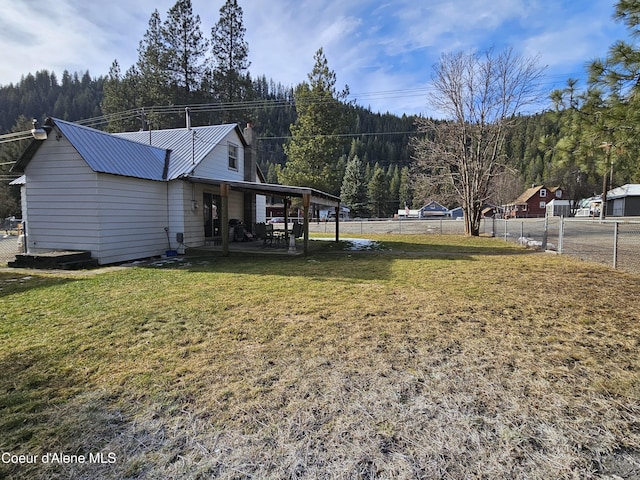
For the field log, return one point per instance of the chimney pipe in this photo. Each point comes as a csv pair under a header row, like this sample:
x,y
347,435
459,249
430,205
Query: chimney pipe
x,y
248,133
187,112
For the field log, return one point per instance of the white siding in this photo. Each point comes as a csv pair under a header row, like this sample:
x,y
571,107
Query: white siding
x,y
216,164
177,205
193,218
236,205
261,209
61,196
71,207
133,217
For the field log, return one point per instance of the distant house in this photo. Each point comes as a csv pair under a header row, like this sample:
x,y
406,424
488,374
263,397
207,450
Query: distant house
x,y
488,211
624,201
433,209
456,212
135,195
532,203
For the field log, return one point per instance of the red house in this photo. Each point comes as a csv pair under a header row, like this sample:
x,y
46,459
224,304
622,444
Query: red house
x,y
532,203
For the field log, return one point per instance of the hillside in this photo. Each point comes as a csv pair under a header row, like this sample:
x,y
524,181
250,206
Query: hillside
x,y
379,140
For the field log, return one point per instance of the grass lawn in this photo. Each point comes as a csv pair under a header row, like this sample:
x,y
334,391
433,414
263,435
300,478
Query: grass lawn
x,y
434,357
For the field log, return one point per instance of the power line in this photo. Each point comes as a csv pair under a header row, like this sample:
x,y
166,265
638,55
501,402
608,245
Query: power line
x,y
258,104
368,134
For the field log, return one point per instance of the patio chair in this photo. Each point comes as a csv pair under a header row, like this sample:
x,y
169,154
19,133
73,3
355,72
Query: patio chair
x,y
298,230
264,232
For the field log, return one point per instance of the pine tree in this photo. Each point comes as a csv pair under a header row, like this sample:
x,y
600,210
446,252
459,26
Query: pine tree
x,y
230,80
393,177
378,192
185,49
120,95
153,69
354,187
315,147
405,196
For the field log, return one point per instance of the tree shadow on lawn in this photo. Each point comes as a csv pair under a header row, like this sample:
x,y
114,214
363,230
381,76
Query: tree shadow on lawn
x,y
330,259
18,282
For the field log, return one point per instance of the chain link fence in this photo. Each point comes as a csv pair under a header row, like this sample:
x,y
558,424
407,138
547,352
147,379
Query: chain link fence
x,y
9,240
612,242
364,227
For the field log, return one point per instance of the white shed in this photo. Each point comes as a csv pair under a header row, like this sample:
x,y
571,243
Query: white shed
x,y
558,208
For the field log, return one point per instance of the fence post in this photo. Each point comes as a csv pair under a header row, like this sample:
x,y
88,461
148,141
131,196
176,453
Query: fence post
x,y
615,245
506,231
521,229
545,235
561,234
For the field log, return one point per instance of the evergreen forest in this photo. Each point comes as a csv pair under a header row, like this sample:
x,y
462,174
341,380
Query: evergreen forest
x,y
371,158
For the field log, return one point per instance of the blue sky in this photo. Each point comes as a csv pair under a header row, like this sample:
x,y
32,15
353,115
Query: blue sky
x,y
384,50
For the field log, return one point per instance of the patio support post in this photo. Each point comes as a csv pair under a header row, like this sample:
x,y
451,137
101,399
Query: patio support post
x,y
337,223
224,218
306,201
287,204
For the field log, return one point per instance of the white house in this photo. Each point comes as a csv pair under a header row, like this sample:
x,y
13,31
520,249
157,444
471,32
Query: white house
x,y
134,195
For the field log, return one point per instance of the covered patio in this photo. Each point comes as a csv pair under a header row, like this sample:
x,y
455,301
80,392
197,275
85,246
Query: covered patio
x,y
310,197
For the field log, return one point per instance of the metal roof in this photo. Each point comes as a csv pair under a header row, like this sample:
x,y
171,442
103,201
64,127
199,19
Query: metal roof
x,y
108,153
628,190
317,197
188,146
21,180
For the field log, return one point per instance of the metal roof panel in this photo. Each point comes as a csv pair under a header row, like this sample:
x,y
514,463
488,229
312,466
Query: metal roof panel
x,y
628,190
108,153
188,146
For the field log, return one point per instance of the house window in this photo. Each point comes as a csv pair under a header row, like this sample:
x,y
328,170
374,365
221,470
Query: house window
x,y
543,205
233,157
543,192
558,193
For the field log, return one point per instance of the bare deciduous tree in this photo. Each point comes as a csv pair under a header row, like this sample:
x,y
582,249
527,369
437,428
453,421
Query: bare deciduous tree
x,y
479,96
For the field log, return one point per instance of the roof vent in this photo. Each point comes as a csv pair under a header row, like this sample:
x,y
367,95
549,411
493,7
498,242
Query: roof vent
x,y
187,114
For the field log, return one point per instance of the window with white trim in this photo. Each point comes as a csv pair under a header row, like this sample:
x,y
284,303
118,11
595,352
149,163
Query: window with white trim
x,y
543,205
233,157
543,192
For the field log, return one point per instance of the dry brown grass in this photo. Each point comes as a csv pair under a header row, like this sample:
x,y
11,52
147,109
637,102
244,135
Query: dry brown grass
x,y
373,366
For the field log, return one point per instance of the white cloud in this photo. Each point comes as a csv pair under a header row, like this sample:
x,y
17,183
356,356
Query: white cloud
x,y
372,46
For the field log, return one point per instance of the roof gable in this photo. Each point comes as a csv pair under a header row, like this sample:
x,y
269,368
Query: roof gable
x,y
528,194
106,153
189,147
434,206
